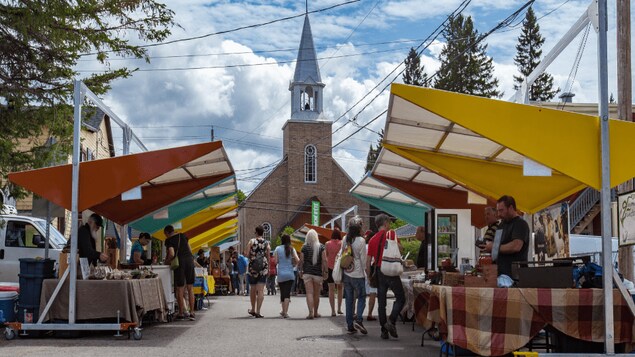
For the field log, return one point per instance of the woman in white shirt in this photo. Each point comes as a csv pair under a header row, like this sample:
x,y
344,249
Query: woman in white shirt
x,y
353,277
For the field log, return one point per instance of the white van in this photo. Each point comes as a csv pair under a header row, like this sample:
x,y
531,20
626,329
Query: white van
x,y
24,237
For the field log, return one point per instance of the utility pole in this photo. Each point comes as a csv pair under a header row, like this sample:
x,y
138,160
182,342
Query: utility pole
x,y
624,106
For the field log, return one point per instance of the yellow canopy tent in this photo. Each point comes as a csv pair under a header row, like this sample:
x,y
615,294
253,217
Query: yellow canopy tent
x,y
224,209
214,241
209,235
475,142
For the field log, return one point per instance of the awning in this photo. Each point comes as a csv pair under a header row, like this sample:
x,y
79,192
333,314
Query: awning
x,y
165,176
209,236
474,142
226,208
324,234
226,245
427,187
215,241
210,197
390,200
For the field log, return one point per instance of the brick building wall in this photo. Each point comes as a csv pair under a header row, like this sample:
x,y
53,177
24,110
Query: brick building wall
x,y
279,195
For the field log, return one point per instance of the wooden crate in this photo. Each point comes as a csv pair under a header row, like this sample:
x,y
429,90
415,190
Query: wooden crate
x,y
452,279
487,280
113,258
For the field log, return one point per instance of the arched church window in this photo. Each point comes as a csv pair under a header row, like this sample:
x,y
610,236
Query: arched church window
x,y
310,164
267,231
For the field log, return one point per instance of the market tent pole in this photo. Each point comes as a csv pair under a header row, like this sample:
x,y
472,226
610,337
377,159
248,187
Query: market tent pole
x,y
603,103
77,122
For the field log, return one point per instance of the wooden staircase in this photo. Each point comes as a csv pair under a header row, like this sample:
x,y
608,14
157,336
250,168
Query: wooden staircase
x,y
587,219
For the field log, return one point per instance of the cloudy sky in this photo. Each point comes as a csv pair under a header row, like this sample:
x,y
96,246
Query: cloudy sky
x,y
238,82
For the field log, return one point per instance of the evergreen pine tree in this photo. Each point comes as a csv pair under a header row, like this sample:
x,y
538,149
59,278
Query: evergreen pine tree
x,y
373,153
527,58
465,66
414,73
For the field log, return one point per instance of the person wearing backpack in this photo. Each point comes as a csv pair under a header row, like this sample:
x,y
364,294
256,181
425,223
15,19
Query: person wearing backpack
x,y
258,251
377,246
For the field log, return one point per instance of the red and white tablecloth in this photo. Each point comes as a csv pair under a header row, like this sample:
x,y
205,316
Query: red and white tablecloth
x,y
497,321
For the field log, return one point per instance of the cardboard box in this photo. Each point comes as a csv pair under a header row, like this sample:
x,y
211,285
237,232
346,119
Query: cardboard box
x,y
63,265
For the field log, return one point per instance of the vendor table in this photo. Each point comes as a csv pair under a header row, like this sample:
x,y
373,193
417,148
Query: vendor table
x,y
497,321
101,299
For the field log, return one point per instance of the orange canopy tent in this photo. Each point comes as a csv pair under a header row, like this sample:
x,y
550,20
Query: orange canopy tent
x,y
164,177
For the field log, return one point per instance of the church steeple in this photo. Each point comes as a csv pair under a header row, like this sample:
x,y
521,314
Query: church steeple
x,y
306,87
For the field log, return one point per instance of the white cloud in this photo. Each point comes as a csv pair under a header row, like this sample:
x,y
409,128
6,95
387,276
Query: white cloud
x,y
249,105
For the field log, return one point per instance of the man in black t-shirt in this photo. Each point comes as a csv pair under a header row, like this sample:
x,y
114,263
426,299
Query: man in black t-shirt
x,y
514,243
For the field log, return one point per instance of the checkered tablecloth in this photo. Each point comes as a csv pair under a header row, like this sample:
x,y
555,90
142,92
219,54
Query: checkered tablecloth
x,y
497,321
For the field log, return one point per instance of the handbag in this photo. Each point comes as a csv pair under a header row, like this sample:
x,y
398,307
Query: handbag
x,y
174,264
391,264
347,261
373,279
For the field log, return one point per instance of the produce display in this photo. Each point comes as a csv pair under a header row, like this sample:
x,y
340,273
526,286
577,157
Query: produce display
x,y
104,272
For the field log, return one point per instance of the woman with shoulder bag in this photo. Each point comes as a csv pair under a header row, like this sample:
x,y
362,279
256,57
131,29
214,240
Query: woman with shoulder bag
x,y
312,268
258,251
353,277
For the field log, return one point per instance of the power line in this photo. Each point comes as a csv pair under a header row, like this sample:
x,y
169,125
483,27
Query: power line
x,y
242,65
500,25
239,28
336,48
428,39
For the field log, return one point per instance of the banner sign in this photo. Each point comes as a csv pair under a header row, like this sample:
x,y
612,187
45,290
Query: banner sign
x,y
315,213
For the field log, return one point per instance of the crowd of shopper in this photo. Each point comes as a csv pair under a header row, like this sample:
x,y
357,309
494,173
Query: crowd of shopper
x,y
357,276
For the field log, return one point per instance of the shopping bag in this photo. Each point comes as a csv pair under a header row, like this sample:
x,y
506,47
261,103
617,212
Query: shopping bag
x,y
337,269
391,264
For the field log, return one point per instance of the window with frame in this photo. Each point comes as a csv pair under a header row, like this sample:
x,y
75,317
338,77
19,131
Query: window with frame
x,y
24,235
267,231
310,164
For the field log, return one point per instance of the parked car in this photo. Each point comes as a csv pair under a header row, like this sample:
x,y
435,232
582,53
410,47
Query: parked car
x,y
24,237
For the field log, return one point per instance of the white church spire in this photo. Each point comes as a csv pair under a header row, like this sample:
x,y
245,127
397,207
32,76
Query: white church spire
x,y
306,87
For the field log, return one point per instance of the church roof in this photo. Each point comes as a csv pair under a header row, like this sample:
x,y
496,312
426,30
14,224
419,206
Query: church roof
x,y
306,67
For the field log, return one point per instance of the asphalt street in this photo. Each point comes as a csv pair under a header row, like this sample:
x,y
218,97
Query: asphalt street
x,y
226,329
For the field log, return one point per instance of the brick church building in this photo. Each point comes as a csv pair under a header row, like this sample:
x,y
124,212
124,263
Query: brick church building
x,y
307,171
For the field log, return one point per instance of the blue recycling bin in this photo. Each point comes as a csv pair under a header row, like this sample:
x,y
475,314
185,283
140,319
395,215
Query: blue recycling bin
x,y
32,275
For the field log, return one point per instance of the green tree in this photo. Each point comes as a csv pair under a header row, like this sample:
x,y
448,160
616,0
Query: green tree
x,y
411,247
278,240
240,195
465,66
373,153
415,72
41,43
397,223
527,58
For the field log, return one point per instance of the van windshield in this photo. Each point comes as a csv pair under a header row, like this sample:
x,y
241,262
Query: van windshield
x,y
58,241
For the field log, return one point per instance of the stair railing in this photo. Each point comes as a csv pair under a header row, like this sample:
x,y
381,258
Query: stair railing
x,y
582,205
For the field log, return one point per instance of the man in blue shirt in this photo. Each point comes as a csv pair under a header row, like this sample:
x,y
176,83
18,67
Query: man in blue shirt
x,y
243,262
136,254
